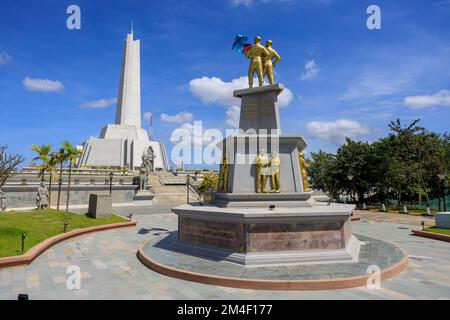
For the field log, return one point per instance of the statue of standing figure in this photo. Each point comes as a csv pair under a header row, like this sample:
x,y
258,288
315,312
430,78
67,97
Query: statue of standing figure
x,y
275,172
147,166
2,201
223,176
262,171
256,54
303,168
42,197
269,63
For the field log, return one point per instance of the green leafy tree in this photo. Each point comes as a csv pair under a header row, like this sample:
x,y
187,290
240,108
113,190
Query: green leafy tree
x,y
209,183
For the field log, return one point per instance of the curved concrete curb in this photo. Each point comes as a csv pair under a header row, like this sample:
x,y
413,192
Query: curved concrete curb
x,y
431,235
257,284
38,249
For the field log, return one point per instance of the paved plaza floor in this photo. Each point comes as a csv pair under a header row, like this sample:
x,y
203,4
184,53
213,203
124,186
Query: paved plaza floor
x,y
110,269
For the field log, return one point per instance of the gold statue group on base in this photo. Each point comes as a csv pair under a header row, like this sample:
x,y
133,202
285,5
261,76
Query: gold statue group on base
x,y
262,62
268,166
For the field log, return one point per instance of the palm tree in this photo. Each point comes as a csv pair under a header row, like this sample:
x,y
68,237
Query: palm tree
x,y
51,167
72,155
60,158
43,152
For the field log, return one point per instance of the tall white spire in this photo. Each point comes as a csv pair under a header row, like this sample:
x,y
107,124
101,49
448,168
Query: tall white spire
x,y
129,98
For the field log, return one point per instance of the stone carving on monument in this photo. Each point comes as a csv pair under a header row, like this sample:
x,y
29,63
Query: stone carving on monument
x,y
248,224
143,196
42,197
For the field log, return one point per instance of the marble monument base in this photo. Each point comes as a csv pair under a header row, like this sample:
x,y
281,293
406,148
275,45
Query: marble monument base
x,y
262,237
143,198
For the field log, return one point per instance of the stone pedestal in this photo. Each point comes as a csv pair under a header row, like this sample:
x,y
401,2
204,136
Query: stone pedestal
x,y
260,229
100,206
443,220
259,110
143,198
260,236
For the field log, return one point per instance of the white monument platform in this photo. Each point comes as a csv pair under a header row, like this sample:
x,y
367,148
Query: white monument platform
x,y
123,143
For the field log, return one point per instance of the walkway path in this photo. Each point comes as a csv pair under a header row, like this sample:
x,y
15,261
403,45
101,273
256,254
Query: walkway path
x,y
110,269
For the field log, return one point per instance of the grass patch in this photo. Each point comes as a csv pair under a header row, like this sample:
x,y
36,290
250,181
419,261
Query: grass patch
x,y
437,230
40,225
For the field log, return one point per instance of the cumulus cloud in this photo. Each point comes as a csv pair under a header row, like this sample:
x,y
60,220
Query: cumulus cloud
x,y
178,118
311,71
148,115
233,114
440,98
42,85
100,103
4,58
194,131
336,131
215,90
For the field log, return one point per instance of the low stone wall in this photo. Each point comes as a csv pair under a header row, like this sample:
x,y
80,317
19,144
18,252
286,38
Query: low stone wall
x,y
24,196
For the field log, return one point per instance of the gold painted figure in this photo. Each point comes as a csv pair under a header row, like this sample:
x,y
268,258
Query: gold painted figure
x,y
256,53
275,172
223,178
262,171
303,166
269,63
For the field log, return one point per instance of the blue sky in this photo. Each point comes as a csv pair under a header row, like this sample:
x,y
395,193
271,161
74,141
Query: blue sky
x,y
343,78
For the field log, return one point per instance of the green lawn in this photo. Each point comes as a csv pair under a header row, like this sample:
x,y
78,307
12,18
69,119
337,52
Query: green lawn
x,y
40,225
437,230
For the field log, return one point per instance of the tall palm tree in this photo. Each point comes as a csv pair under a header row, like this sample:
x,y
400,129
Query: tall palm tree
x,y
72,155
43,152
60,159
51,167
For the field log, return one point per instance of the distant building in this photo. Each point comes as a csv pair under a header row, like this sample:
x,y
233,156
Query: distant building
x,y
123,143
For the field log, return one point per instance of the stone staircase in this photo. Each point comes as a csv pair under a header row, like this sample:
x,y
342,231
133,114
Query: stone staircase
x,y
170,193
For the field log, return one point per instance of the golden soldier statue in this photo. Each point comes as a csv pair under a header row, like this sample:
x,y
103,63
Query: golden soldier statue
x,y
256,54
223,177
262,171
269,63
275,172
303,166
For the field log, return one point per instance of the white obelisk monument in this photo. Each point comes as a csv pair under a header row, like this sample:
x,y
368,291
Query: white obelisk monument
x,y
123,143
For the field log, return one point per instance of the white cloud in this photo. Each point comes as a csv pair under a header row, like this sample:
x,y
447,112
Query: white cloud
x,y
336,131
42,85
233,114
440,98
4,58
178,118
215,90
311,71
194,131
100,103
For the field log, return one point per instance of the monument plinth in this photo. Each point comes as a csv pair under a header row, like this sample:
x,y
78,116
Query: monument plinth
x,y
264,213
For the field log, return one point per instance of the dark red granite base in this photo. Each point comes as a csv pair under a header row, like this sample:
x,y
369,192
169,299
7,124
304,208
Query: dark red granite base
x,y
304,234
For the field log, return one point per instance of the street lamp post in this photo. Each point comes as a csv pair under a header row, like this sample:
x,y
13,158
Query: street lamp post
x,y
442,178
111,176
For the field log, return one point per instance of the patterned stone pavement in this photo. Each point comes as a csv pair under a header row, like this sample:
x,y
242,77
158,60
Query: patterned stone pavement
x,y
110,269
